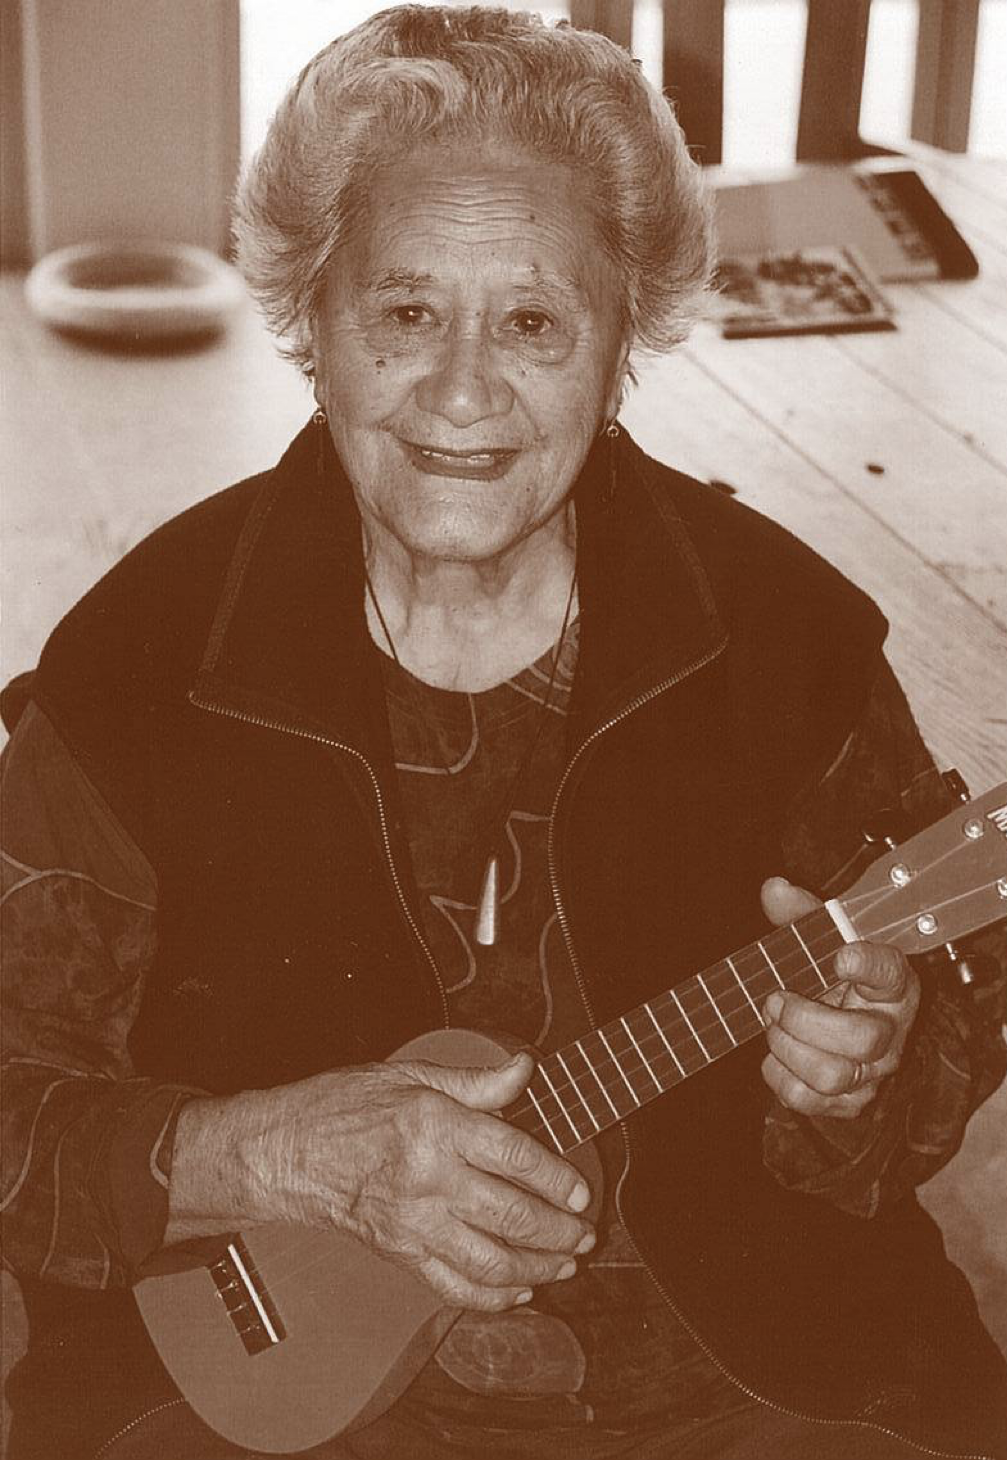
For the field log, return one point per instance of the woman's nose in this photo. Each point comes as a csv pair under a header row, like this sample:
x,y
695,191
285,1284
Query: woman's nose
x,y
464,385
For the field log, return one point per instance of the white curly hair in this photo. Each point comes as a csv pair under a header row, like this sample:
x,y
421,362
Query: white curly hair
x,y
414,74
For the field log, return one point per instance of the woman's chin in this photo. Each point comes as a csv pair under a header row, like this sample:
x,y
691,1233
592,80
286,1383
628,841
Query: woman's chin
x,y
473,538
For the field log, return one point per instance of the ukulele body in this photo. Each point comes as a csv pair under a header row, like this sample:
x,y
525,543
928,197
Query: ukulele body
x,y
351,1329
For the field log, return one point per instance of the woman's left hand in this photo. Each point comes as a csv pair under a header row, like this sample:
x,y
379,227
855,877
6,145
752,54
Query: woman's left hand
x,y
828,1056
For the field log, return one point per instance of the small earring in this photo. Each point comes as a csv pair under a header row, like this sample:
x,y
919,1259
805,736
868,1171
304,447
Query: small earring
x,y
319,420
612,432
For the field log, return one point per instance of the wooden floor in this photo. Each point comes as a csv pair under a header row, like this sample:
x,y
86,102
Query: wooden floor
x,y
887,452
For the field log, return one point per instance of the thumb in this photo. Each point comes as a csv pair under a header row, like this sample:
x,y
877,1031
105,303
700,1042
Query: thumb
x,y
782,902
479,1088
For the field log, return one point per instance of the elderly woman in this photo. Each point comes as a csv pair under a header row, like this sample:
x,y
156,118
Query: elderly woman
x,y
470,715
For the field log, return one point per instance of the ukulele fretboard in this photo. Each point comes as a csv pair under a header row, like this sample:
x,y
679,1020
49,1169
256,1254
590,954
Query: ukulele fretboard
x,y
601,1078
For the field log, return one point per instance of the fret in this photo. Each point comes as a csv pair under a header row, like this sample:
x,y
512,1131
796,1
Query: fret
x,y
678,1063
755,971
555,1095
597,1080
618,1066
542,1117
609,1075
643,1057
692,1027
744,989
716,1039
742,1021
636,1063
795,929
772,966
688,1052
716,1009
576,1087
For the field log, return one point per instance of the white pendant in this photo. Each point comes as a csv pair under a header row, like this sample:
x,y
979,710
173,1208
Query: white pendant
x,y
488,908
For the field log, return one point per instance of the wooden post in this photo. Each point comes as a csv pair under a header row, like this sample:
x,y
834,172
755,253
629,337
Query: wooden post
x,y
15,248
693,72
613,18
945,71
132,120
834,54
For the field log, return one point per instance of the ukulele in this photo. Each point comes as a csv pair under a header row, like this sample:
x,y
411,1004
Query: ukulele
x,y
283,1336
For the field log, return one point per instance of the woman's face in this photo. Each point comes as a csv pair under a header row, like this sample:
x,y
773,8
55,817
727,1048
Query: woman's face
x,y
468,350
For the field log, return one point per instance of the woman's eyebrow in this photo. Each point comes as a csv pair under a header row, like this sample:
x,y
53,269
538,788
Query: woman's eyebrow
x,y
560,285
392,279
396,279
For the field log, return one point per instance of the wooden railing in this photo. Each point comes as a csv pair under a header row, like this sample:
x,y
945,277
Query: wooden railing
x,y
833,77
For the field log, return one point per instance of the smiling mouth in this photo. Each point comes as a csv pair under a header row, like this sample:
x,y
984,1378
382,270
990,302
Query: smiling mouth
x,y
466,458
486,465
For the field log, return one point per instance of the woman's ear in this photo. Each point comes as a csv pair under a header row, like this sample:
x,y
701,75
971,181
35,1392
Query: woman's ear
x,y
622,373
317,379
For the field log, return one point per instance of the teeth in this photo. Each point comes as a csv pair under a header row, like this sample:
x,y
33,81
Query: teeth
x,y
454,456
479,458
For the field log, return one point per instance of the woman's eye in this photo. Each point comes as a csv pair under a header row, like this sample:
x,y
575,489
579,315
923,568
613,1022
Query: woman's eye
x,y
532,323
409,315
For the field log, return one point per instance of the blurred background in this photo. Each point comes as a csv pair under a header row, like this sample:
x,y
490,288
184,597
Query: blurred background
x,y
129,119
763,54
123,114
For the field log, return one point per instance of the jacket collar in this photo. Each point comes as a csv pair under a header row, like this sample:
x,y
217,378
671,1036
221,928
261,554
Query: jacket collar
x,y
289,646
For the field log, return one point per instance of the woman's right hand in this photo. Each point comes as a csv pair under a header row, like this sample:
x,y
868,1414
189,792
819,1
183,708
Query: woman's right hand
x,y
406,1156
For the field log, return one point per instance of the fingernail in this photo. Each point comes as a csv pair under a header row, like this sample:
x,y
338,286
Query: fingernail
x,y
585,1244
579,1197
771,1007
524,1297
851,961
567,1270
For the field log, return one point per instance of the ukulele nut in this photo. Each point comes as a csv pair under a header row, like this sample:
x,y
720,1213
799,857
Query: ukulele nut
x,y
1002,886
926,923
900,874
974,829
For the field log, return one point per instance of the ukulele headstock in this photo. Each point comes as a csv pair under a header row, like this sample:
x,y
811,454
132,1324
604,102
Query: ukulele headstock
x,y
946,881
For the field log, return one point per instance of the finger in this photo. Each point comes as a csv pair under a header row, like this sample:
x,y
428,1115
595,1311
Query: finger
x,y
797,1096
504,1150
459,1292
518,1217
857,1034
819,1070
492,1264
479,1089
877,971
783,903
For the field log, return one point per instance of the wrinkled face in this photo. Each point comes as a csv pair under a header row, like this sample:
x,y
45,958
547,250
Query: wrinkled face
x,y
468,350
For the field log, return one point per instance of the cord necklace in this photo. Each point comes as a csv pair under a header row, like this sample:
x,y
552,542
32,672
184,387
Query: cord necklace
x,y
487,922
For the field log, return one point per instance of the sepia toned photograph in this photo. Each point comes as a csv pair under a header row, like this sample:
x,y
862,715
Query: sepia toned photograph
x,y
504,730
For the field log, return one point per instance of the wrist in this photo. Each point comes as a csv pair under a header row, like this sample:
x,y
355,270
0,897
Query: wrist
x,y
219,1166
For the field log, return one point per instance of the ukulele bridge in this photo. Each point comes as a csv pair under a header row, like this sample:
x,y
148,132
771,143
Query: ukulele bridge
x,y
244,1295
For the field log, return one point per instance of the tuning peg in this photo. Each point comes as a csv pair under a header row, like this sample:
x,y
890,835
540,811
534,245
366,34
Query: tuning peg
x,y
886,829
970,968
955,782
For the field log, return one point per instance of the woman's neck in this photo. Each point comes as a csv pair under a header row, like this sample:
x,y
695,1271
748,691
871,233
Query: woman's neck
x,y
469,626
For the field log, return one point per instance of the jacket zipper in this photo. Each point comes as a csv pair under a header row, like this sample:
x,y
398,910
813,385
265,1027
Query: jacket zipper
x,y
564,923
318,738
127,1429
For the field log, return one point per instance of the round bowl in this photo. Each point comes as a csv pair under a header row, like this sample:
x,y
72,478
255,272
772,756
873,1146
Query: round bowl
x,y
140,291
